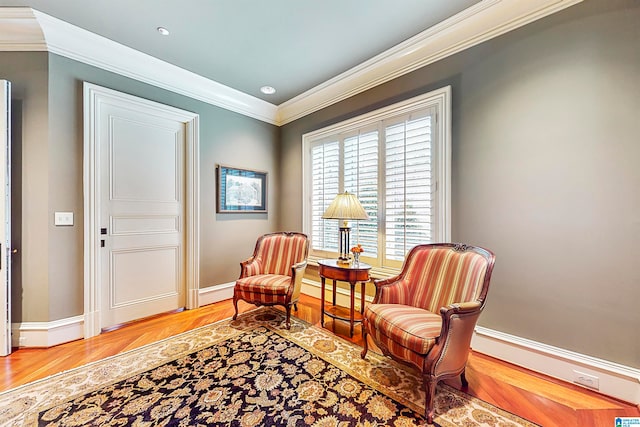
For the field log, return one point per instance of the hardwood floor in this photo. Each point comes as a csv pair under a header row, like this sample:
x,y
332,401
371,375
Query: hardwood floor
x,y
533,396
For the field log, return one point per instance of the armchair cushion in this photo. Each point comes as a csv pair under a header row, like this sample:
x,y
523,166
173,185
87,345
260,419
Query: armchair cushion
x,y
409,327
269,284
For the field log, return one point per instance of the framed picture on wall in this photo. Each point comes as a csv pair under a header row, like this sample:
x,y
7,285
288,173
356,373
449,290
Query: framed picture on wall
x,y
241,190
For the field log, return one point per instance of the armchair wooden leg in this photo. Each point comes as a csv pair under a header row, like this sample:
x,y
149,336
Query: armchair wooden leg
x,y
288,321
430,383
295,306
235,306
463,378
365,345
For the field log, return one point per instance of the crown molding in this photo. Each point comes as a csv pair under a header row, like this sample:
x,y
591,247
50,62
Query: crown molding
x,y
25,29
19,31
481,22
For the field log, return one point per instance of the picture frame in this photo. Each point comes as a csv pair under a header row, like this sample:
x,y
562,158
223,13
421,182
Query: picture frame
x,y
241,190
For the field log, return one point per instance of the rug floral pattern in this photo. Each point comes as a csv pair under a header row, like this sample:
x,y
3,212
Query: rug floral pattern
x,y
249,372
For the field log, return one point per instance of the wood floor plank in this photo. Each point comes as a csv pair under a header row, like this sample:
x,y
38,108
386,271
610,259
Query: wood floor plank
x,y
543,400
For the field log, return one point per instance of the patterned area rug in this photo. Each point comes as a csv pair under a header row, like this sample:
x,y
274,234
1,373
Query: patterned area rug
x,y
248,372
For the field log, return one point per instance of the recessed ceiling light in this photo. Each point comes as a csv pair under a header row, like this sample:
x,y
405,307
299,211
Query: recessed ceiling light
x,y
163,31
267,90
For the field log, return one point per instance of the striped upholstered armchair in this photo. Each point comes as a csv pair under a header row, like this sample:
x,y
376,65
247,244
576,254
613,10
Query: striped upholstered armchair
x,y
273,275
425,316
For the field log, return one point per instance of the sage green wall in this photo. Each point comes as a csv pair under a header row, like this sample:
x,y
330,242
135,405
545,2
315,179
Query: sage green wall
x,y
546,172
52,282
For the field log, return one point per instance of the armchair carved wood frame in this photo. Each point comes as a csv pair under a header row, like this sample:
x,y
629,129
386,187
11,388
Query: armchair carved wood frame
x,y
273,275
425,316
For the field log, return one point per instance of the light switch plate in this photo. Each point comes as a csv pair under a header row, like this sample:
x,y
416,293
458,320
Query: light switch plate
x,y
63,218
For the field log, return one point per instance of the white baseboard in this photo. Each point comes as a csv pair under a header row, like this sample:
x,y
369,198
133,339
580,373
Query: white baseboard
x,y
215,293
47,334
615,380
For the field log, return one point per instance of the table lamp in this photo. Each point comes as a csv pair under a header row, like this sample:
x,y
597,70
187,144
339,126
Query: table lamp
x,y
345,207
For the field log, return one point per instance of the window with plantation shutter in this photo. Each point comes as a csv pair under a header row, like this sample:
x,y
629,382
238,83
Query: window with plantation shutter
x,y
325,184
397,162
408,185
361,178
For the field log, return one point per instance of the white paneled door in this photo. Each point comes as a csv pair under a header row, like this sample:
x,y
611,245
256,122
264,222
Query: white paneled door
x,y
5,218
141,154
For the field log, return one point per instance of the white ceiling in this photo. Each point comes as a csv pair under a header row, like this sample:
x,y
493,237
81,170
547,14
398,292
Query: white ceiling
x,y
292,45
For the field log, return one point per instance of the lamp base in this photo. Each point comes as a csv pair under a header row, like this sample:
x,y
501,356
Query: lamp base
x,y
344,257
344,261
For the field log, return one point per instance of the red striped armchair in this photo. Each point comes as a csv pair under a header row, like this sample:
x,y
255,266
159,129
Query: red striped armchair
x,y
273,275
425,316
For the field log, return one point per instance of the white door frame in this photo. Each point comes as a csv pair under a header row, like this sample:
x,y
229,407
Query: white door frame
x,y
94,96
5,217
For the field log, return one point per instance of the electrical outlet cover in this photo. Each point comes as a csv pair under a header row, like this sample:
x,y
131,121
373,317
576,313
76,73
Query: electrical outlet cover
x,y
586,380
63,218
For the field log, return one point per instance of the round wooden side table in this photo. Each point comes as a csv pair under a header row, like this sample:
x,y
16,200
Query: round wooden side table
x,y
351,273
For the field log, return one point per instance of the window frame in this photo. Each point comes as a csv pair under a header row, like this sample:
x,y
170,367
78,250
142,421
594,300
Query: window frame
x,y
440,101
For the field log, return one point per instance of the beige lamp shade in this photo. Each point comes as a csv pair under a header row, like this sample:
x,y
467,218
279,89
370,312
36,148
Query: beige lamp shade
x,y
345,206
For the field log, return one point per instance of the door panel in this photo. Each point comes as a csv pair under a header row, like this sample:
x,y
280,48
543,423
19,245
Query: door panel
x,y
142,209
133,271
148,224
145,159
